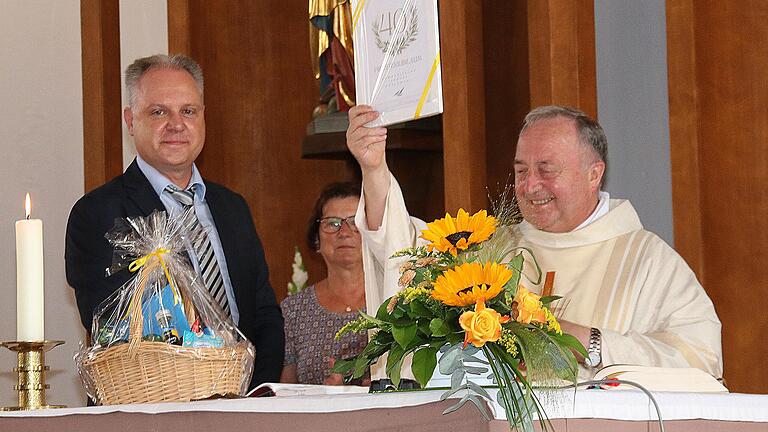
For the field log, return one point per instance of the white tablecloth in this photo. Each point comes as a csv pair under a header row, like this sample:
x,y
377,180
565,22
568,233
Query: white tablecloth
x,y
569,404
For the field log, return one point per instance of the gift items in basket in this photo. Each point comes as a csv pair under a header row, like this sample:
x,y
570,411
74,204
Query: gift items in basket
x,y
161,336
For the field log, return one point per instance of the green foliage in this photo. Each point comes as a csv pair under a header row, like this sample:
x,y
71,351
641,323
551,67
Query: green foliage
x,y
404,334
423,364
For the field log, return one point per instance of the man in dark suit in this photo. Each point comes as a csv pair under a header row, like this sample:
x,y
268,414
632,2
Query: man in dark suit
x,y
165,116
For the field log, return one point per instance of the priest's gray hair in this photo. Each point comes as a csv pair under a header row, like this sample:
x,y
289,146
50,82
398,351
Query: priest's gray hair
x,y
591,134
138,68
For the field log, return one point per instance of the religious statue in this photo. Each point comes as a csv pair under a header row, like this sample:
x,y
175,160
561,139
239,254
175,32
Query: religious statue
x,y
330,41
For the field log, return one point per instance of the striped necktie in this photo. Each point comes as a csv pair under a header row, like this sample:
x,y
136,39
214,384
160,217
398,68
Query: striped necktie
x,y
201,244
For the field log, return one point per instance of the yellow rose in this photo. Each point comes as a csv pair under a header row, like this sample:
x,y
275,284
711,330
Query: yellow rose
x,y
527,307
481,326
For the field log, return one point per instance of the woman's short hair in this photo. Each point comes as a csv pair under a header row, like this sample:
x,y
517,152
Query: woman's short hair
x,y
329,192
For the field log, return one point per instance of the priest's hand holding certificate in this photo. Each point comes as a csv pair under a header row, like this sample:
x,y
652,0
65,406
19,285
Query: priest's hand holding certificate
x,y
367,145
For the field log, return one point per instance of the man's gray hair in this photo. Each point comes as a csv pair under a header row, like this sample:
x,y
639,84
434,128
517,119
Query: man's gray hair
x,y
138,68
591,134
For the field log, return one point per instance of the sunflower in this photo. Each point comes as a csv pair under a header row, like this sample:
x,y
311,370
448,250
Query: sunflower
x,y
464,285
449,234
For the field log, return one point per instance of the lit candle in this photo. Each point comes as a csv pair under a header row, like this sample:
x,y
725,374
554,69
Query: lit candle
x,y
29,278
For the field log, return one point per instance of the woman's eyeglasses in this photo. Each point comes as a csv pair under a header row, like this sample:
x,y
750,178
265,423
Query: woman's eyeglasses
x,y
332,224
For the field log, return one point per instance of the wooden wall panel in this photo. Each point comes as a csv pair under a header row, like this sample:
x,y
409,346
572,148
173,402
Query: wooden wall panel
x,y
102,110
536,53
725,119
259,96
562,53
507,90
461,53
178,27
683,124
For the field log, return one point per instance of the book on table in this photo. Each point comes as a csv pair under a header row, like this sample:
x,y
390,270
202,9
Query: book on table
x,y
690,380
285,389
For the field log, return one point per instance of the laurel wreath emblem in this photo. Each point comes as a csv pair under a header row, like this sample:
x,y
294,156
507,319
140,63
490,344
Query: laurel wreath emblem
x,y
398,43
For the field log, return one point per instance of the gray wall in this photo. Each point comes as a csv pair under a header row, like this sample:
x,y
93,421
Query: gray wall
x,y
633,106
41,142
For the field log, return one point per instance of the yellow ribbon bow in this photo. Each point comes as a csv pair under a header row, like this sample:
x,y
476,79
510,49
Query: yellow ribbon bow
x,y
158,253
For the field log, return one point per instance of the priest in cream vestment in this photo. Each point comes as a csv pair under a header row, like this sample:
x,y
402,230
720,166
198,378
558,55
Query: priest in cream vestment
x,y
627,295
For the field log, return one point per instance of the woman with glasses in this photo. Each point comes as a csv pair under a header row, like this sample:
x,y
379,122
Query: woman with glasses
x,y
315,314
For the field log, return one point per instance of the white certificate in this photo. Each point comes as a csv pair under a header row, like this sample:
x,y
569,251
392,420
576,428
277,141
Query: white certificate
x,y
397,58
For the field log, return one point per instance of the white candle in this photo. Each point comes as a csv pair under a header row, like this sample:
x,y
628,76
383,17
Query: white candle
x,y
29,278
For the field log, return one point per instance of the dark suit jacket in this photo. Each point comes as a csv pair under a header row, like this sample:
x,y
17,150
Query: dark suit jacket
x,y
88,254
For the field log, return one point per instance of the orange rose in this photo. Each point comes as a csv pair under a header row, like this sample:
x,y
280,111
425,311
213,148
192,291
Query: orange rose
x,y
481,326
527,307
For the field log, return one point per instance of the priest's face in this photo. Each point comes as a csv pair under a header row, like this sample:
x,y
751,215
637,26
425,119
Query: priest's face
x,y
557,179
167,122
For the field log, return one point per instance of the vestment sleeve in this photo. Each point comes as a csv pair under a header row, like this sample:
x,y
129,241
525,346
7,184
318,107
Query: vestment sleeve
x,y
398,231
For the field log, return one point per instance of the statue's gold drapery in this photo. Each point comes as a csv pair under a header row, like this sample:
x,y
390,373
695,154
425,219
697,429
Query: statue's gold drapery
x,y
320,42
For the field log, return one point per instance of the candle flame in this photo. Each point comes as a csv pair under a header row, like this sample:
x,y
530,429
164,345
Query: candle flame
x,y
28,205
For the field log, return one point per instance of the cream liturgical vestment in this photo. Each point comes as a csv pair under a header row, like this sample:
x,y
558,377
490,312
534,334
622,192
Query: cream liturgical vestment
x,y
612,275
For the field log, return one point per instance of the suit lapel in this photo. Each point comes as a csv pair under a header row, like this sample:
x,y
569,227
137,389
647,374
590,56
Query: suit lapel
x,y
140,191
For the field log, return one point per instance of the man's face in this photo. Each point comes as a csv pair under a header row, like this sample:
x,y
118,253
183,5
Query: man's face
x,y
557,179
167,122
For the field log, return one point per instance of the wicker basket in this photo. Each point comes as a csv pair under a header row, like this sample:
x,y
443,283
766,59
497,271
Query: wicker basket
x,y
158,372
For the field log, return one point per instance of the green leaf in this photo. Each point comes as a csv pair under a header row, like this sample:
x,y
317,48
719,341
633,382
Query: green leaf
x,y
516,265
474,399
439,344
418,341
404,335
457,377
439,327
361,364
451,392
475,370
423,325
483,408
457,405
400,310
394,364
418,310
395,355
423,365
569,341
382,313
394,376
343,366
455,338
549,299
479,390
452,315
450,360
378,322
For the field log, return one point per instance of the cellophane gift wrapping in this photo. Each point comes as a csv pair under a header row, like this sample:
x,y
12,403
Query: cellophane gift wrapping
x,y
161,336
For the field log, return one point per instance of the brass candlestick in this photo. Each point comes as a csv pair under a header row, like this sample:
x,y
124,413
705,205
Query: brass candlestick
x,y
31,369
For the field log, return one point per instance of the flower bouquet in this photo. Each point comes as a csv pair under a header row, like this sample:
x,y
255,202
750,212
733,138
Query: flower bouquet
x,y
463,294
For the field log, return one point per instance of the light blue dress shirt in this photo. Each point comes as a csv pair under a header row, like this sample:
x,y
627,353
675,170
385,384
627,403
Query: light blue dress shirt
x,y
159,182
